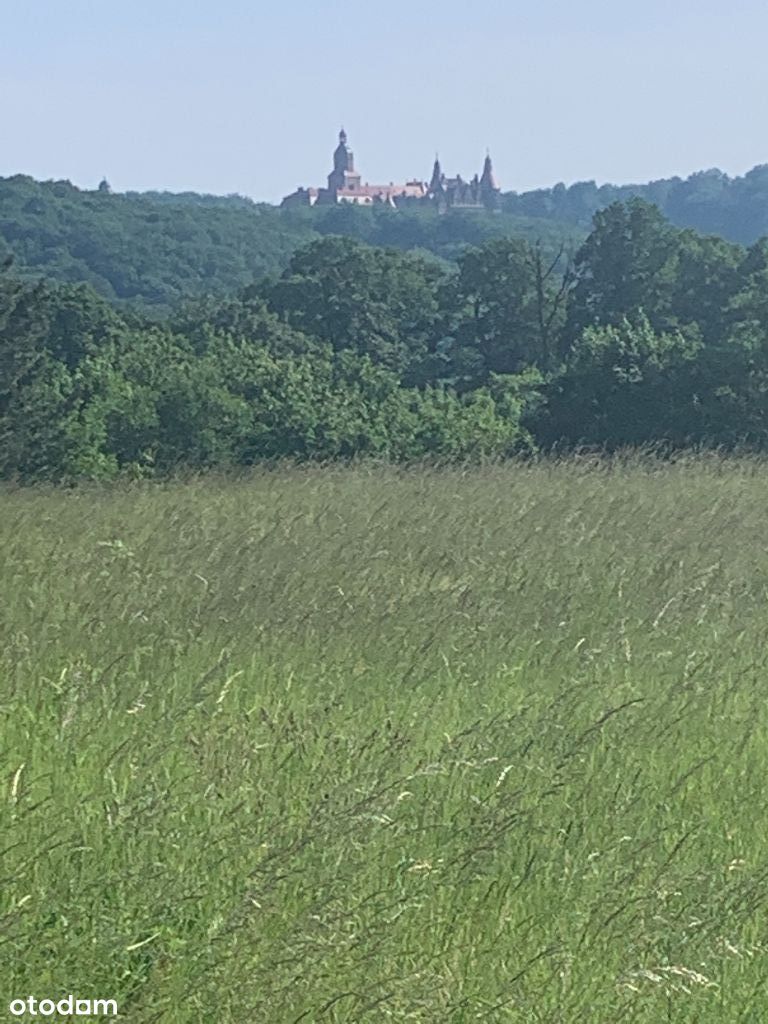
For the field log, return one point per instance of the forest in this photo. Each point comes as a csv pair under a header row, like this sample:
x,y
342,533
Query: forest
x,y
152,250
709,201
646,335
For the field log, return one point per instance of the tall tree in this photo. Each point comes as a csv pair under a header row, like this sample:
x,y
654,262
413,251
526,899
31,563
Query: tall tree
x,y
624,384
376,302
627,264
510,303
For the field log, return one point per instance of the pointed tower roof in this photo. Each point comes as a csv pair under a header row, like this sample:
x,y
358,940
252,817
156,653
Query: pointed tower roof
x,y
436,182
343,164
488,179
341,149
343,158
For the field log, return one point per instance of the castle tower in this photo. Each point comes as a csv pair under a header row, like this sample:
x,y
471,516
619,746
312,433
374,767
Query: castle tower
x,y
489,190
343,174
488,180
441,193
436,182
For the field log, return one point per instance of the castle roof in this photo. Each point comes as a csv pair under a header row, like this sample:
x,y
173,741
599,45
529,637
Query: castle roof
x,y
410,189
344,185
488,179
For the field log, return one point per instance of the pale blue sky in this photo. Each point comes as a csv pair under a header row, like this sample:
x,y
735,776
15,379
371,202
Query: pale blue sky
x,y
235,96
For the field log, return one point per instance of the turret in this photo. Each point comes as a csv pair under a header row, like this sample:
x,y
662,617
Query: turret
x,y
488,181
489,190
343,158
343,172
436,182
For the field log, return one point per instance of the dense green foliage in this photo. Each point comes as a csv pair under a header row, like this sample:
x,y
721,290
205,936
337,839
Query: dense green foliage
x,y
84,392
152,249
651,335
709,201
348,746
149,250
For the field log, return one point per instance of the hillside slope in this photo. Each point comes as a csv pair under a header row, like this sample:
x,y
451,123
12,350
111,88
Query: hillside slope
x,y
148,250
709,201
153,249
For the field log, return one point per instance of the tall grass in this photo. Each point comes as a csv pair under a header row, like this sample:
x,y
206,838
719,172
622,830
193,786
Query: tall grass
x,y
374,745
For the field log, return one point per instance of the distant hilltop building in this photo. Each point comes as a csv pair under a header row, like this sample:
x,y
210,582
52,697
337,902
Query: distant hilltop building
x,y
345,186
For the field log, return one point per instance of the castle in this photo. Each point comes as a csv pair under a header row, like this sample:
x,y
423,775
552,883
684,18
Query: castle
x,y
345,186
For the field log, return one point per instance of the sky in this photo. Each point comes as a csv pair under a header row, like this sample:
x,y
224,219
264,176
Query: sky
x,y
248,97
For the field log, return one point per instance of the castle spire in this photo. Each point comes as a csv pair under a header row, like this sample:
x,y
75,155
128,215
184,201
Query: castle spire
x,y
488,180
436,182
343,174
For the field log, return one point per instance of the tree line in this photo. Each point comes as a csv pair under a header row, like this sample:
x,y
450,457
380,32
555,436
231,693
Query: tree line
x,y
648,334
150,251
709,201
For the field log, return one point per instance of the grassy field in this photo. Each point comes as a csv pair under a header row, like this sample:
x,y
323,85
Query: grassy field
x,y
371,745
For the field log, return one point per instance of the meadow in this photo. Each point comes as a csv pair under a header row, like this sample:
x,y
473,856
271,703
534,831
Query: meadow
x,y
346,744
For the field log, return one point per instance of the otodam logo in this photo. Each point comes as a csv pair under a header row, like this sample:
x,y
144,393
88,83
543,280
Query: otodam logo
x,y
68,1006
